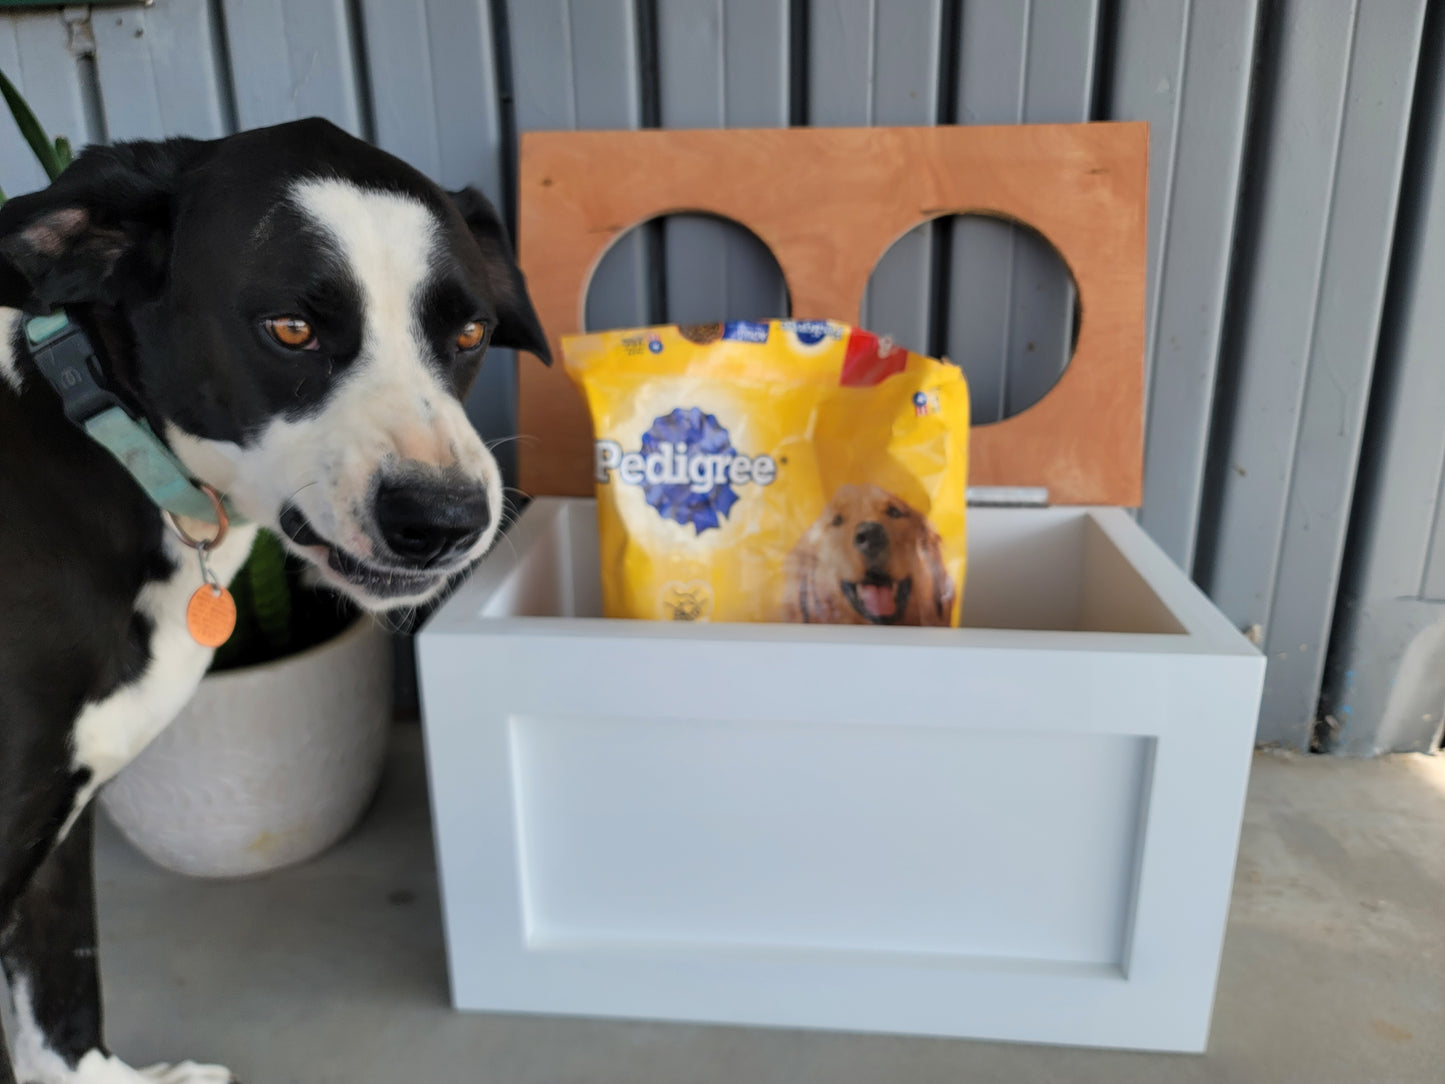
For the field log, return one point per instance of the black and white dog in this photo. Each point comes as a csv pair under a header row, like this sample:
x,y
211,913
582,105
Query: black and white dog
x,y
297,316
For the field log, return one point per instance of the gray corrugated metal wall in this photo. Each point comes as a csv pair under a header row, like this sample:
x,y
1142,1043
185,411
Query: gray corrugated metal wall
x,y
1292,143
1385,685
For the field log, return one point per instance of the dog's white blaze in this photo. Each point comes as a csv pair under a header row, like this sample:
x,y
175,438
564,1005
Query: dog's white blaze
x,y
9,365
388,242
110,733
36,1063
392,407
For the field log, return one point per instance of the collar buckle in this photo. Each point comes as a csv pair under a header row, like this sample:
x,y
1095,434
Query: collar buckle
x,y
67,361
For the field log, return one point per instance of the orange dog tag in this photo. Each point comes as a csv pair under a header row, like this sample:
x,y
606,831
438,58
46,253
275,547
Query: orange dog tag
x,y
211,615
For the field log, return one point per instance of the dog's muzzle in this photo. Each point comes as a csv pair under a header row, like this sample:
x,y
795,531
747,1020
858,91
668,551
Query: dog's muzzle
x,y
422,532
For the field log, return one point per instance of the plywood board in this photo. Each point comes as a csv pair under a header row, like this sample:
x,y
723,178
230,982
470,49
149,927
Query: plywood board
x,y
829,203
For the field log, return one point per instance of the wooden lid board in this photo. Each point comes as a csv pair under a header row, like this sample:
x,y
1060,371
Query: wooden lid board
x,y
829,202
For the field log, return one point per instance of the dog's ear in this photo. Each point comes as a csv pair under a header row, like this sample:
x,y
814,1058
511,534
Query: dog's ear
x,y
517,323
797,567
932,548
101,232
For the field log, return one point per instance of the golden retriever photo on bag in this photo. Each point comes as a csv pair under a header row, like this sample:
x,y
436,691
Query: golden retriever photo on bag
x,y
868,559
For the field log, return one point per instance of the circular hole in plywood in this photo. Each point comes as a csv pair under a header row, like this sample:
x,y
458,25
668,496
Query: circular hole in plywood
x,y
685,269
990,294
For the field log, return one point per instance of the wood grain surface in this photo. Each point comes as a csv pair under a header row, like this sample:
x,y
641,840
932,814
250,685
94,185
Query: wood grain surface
x,y
828,203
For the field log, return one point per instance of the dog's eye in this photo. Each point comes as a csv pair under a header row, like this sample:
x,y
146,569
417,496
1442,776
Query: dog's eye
x,y
838,521
471,335
291,332
894,512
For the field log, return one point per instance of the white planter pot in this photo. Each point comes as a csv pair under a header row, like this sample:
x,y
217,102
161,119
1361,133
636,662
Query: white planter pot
x,y
267,766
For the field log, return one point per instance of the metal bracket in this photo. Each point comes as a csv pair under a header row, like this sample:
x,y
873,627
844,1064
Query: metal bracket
x,y
81,35
1007,496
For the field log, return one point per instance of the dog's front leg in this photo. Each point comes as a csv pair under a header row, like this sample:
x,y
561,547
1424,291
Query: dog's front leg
x,y
48,951
49,954
7,1074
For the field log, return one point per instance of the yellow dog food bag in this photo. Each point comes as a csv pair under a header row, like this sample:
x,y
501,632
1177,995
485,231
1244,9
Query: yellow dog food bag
x,y
783,471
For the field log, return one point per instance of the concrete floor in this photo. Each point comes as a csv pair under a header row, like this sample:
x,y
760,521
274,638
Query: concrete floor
x,y
1334,969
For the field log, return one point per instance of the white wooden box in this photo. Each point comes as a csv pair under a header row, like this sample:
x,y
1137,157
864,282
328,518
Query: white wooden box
x,y
1022,829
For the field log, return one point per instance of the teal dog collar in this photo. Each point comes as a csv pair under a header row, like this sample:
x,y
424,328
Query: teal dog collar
x,y
66,359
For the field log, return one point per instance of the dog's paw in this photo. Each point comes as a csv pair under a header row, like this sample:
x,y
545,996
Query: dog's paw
x,y
187,1072
101,1068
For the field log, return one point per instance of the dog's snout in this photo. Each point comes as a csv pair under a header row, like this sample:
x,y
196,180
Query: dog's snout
x,y
426,524
871,540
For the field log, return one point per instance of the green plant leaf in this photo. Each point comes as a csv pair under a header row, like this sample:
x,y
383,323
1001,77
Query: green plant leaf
x,y
63,152
235,650
30,128
270,590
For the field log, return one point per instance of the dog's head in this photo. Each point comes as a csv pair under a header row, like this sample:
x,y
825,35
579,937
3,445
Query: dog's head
x,y
299,315
871,558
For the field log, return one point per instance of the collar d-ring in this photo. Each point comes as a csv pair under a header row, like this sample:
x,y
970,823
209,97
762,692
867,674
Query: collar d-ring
x,y
223,522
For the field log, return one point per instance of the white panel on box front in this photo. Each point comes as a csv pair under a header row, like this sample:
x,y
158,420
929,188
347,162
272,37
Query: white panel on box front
x,y
856,839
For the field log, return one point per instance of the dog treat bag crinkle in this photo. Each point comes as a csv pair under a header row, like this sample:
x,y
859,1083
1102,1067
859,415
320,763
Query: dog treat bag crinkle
x,y
782,471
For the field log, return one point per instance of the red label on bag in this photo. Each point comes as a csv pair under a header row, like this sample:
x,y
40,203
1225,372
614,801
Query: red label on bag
x,y
869,360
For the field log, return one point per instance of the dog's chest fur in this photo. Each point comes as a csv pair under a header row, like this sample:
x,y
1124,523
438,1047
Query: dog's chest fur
x,y
109,733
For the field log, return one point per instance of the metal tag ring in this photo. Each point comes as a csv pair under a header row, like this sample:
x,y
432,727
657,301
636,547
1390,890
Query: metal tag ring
x,y
223,523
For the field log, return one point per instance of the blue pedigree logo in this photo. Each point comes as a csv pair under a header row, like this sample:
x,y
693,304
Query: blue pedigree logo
x,y
687,468
745,331
812,332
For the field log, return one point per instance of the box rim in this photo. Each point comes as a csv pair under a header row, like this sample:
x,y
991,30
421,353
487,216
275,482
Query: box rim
x,y
1207,632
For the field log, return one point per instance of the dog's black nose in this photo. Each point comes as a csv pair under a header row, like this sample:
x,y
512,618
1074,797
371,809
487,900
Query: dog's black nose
x,y
871,541
425,524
